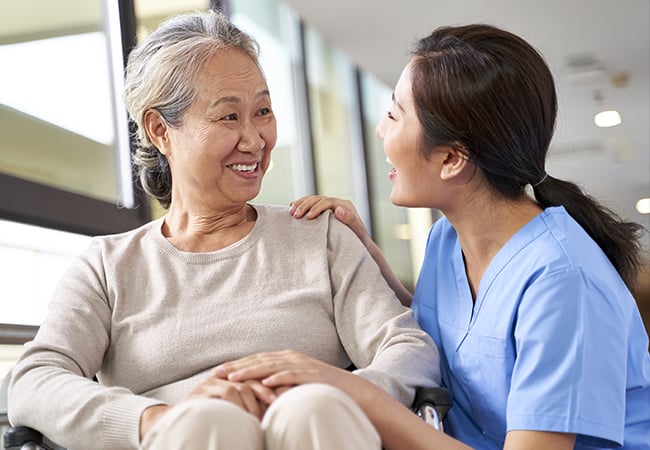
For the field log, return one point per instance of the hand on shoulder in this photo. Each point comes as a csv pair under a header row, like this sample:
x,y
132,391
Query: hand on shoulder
x,y
311,206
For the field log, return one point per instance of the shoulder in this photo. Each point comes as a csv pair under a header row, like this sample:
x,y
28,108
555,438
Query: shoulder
x,y
109,248
277,217
322,231
565,259
566,244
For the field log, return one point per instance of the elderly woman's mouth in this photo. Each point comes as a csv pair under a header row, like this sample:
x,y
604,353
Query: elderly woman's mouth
x,y
243,167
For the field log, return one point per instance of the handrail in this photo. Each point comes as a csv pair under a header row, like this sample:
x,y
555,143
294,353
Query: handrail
x,y
14,334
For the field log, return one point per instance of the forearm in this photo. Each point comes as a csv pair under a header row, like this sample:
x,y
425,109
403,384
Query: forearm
x,y
398,427
403,294
379,334
74,411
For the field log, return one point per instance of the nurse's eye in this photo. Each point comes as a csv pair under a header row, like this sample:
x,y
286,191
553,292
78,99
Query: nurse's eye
x,y
390,115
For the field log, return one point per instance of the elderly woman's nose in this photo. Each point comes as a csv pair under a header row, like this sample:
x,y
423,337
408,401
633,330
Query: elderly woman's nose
x,y
251,138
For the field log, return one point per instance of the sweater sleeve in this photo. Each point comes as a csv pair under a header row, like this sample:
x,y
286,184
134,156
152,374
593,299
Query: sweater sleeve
x,y
380,335
56,369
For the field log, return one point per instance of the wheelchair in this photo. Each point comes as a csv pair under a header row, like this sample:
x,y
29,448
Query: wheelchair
x,y
430,404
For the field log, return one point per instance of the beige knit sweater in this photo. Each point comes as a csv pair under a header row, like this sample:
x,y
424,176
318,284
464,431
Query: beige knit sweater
x,y
150,321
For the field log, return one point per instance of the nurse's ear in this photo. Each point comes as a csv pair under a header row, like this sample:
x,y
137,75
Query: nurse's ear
x,y
157,130
455,163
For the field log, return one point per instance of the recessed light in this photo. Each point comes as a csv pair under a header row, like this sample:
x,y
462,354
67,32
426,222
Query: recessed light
x,y
608,118
643,205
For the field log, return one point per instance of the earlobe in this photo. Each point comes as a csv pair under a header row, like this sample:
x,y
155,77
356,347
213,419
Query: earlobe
x,y
156,129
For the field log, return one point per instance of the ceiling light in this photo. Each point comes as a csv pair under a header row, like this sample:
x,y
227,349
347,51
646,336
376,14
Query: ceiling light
x,y
609,118
643,205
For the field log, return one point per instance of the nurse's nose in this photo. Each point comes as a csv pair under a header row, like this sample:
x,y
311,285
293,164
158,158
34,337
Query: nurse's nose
x,y
380,130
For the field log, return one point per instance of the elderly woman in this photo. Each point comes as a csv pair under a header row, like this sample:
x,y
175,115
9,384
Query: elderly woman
x,y
152,311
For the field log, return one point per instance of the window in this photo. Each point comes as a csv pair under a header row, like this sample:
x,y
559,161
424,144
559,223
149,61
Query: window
x,y
276,28
64,148
336,123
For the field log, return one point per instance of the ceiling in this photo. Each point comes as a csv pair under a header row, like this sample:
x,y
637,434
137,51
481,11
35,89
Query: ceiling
x,y
594,48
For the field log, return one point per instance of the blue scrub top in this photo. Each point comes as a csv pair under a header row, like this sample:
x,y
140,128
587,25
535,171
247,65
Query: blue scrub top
x,y
554,341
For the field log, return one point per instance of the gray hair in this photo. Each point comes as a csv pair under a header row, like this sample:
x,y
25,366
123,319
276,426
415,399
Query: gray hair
x,y
161,74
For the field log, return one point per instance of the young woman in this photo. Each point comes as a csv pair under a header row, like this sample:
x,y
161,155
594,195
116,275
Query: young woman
x,y
525,281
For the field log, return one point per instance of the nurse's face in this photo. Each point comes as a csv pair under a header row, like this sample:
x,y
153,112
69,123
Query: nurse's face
x,y
413,176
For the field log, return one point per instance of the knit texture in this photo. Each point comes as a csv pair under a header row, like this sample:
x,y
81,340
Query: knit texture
x,y
151,321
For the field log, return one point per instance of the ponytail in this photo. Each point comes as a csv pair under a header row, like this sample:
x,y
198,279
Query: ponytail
x,y
617,238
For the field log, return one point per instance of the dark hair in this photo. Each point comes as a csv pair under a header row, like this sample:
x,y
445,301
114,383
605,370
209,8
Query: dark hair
x,y
490,92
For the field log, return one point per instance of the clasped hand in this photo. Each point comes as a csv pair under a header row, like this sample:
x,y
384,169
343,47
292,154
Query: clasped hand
x,y
255,381
250,395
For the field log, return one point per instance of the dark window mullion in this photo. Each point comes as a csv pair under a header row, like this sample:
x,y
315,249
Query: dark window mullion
x,y
38,204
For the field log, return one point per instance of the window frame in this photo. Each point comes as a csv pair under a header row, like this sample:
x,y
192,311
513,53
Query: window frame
x,y
38,204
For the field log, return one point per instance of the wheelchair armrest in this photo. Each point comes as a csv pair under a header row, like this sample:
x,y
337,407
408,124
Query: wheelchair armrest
x,y
432,405
25,438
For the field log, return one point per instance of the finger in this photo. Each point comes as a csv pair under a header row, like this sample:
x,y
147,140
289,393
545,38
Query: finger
x,y
264,394
302,201
249,398
296,203
256,366
224,369
304,205
323,204
352,219
258,371
240,395
246,365
281,381
281,390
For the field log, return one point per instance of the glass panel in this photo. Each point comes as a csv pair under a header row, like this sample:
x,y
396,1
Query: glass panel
x,y
32,261
336,128
56,113
8,356
150,13
274,26
390,223
401,233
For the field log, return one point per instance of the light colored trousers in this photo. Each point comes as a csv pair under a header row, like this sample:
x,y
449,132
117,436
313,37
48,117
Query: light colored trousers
x,y
307,417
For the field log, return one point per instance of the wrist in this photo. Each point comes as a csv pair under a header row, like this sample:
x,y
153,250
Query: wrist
x,y
150,416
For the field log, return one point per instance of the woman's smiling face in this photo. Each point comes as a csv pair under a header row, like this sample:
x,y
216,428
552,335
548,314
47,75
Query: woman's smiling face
x,y
412,175
219,154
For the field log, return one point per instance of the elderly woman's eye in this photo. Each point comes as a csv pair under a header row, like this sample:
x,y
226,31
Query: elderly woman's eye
x,y
264,111
229,117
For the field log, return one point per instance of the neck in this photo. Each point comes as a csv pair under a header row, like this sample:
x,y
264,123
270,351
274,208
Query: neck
x,y
203,232
484,225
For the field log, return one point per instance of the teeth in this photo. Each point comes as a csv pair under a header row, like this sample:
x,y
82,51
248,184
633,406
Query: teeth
x,y
243,167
